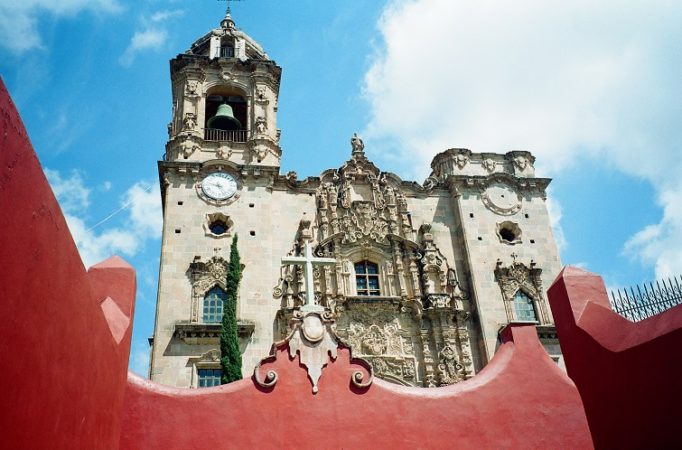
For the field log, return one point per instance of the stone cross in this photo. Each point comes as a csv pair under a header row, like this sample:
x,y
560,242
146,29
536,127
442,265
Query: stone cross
x,y
228,4
309,261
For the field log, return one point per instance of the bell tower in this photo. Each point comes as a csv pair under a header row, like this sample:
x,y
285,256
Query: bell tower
x,y
221,160
225,91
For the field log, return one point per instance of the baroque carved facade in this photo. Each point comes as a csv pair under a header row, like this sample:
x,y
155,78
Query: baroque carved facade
x,y
414,331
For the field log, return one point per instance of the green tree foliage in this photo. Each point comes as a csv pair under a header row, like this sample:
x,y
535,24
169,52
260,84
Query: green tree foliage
x,y
231,358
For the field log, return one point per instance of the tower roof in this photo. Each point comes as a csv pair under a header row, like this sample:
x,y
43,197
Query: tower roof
x,y
232,39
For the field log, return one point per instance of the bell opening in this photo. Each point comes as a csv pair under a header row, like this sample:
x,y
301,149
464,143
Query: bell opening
x,y
225,112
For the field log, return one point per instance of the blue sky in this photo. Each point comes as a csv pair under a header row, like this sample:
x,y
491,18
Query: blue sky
x,y
592,90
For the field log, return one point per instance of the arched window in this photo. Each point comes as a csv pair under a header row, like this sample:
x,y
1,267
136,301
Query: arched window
x,y
523,305
225,115
213,305
367,278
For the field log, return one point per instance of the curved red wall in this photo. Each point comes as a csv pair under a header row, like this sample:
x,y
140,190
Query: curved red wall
x,y
64,332
629,374
520,400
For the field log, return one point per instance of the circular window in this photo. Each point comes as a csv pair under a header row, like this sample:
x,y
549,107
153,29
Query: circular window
x,y
509,233
218,227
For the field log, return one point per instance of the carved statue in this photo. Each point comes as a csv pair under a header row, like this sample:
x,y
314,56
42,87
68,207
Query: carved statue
x,y
191,88
489,165
261,125
357,144
448,366
190,121
461,160
521,162
260,93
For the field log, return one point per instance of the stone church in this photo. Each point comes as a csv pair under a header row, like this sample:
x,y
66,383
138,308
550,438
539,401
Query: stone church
x,y
419,277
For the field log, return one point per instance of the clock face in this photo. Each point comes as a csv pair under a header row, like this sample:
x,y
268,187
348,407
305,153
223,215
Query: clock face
x,y
501,199
219,186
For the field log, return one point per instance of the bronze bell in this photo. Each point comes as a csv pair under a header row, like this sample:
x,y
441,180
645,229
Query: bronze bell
x,y
224,119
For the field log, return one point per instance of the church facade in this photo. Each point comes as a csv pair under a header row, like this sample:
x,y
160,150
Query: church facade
x,y
419,279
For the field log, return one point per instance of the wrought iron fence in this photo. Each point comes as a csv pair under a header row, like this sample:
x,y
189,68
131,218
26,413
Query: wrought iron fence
x,y
640,303
213,134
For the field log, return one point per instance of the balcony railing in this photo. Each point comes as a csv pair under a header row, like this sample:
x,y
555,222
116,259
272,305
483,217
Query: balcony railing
x,y
213,134
647,301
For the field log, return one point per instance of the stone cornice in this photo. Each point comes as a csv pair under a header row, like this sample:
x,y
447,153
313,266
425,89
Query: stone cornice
x,y
458,184
209,333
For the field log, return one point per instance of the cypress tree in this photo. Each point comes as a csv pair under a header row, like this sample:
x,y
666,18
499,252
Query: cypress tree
x,y
231,358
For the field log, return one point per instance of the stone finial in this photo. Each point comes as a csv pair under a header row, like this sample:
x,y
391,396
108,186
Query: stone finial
x,y
227,23
357,145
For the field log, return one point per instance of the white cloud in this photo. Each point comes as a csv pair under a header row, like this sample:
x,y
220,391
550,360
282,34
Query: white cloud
x,y
145,209
152,36
19,30
659,244
162,16
72,194
95,243
94,247
569,81
149,39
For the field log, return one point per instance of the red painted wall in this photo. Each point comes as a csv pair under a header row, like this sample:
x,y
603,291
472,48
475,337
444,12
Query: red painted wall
x,y
62,373
520,400
629,374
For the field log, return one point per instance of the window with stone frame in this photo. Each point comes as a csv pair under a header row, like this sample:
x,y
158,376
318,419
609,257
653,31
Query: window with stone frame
x,y
524,307
208,377
213,305
367,278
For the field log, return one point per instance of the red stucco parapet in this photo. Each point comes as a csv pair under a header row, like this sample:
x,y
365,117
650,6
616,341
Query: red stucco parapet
x,y
627,373
520,400
63,372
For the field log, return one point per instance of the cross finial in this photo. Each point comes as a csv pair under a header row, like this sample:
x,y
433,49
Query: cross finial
x,y
514,256
228,10
308,261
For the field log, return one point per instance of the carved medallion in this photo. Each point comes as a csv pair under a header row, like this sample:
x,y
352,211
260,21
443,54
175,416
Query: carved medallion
x,y
501,199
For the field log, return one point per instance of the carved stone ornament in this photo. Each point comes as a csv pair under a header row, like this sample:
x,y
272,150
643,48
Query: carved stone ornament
x,y
261,125
450,370
521,159
521,162
261,92
204,276
508,232
188,147
430,183
313,340
363,222
357,145
218,217
191,89
489,165
461,160
190,121
501,198
518,276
